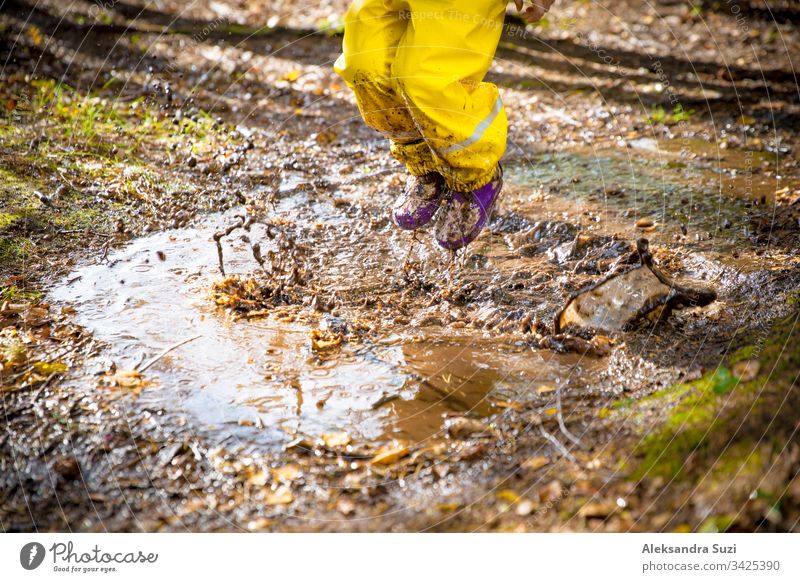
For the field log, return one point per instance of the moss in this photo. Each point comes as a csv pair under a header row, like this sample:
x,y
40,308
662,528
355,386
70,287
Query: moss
x,y
14,294
13,251
714,425
743,353
8,218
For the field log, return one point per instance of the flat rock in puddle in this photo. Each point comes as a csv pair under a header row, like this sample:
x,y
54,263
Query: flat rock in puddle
x,y
634,291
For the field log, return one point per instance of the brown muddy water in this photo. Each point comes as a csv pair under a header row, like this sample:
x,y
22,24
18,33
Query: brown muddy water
x,y
259,381
432,350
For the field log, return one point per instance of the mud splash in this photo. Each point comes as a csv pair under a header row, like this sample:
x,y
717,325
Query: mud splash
x,y
442,341
259,381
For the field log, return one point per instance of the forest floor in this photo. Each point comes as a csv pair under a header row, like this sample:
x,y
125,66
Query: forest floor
x,y
342,375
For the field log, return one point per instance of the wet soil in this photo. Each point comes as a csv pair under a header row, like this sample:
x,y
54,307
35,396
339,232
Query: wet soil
x,y
344,375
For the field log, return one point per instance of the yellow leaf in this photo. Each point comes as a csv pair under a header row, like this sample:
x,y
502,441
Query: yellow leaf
x,y
292,76
47,368
35,35
507,495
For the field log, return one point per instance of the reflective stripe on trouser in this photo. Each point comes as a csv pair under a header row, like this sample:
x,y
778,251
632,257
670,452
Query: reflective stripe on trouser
x,y
416,68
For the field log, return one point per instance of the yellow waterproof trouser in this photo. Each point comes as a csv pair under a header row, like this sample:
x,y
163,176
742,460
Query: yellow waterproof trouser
x,y
416,68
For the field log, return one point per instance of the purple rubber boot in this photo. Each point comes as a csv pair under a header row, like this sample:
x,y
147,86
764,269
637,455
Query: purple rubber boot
x,y
419,201
466,213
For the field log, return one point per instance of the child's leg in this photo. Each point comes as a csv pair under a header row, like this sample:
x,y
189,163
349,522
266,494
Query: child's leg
x,y
372,32
439,67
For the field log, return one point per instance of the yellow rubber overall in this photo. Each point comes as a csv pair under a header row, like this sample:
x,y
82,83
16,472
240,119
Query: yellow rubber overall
x,y
416,68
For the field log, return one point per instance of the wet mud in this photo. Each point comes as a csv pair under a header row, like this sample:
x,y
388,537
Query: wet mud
x,y
330,320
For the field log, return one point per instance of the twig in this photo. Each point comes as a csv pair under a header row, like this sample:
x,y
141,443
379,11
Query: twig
x,y
218,236
165,352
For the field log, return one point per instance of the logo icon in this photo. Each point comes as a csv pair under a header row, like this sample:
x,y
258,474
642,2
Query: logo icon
x,y
31,555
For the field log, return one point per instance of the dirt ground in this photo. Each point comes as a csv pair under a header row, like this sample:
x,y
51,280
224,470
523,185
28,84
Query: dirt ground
x,y
341,375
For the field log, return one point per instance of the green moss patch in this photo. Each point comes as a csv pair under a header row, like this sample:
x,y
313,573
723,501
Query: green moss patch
x,y
719,426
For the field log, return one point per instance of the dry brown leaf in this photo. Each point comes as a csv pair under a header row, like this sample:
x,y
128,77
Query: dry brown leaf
x,y
127,378
287,473
258,479
322,340
345,506
534,463
389,454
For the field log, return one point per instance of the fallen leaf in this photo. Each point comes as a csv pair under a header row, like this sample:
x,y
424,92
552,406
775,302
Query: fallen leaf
x,y
336,439
281,496
127,378
534,463
322,340
258,479
287,473
507,495
326,137
345,506
388,454
597,509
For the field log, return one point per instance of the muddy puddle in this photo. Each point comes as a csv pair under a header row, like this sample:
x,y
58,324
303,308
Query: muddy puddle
x,y
259,381
430,354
